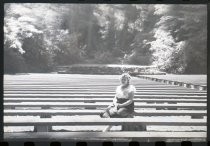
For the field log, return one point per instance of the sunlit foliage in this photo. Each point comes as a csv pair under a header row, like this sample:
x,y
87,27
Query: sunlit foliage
x,y
38,37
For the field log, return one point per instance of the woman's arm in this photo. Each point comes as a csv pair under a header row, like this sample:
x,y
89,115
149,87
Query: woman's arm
x,y
114,102
130,96
115,99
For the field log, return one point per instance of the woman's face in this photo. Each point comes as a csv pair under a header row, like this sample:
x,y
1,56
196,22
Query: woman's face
x,y
124,81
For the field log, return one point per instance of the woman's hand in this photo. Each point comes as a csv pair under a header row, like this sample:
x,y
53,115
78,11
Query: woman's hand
x,y
117,105
115,108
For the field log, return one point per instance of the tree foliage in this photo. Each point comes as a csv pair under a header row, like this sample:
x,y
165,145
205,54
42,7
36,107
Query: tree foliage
x,y
180,44
38,37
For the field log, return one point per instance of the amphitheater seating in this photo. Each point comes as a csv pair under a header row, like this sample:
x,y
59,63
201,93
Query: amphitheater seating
x,y
80,98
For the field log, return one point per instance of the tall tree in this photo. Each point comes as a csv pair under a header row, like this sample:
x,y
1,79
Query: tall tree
x,y
163,35
143,25
177,49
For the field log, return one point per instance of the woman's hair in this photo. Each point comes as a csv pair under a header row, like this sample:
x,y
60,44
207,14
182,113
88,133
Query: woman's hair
x,y
125,75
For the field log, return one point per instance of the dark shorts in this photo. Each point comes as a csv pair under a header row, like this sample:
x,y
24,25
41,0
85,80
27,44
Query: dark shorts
x,y
123,112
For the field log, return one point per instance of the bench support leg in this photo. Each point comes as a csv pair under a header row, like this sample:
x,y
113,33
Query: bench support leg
x,y
197,117
134,128
160,107
42,128
173,108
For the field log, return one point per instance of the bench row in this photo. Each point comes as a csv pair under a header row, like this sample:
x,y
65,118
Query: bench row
x,y
93,100
57,112
103,96
103,92
183,84
174,90
103,121
199,106
64,86
112,136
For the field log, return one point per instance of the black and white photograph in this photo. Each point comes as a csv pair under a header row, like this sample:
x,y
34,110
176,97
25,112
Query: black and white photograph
x,y
105,72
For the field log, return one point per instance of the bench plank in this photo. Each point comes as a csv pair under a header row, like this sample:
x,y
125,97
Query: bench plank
x,y
103,89
97,112
98,92
72,85
143,136
103,121
24,99
101,96
101,104
98,87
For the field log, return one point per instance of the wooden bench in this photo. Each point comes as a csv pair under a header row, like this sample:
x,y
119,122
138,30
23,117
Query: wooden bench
x,y
51,112
104,121
50,122
104,96
111,136
173,80
156,104
157,100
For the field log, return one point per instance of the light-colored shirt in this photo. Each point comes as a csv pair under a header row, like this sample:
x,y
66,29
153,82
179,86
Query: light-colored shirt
x,y
124,93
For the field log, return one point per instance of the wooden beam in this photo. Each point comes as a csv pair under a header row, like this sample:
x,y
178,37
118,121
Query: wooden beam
x,y
103,121
139,90
103,92
97,112
102,96
34,99
101,104
142,136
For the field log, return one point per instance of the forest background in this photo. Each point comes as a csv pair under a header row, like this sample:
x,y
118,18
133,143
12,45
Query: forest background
x,y
39,37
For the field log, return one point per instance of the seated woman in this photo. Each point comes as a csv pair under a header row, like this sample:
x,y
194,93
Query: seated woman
x,y
123,104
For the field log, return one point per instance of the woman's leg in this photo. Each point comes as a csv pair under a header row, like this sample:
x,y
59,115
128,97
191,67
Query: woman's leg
x,y
110,112
107,128
105,115
123,112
